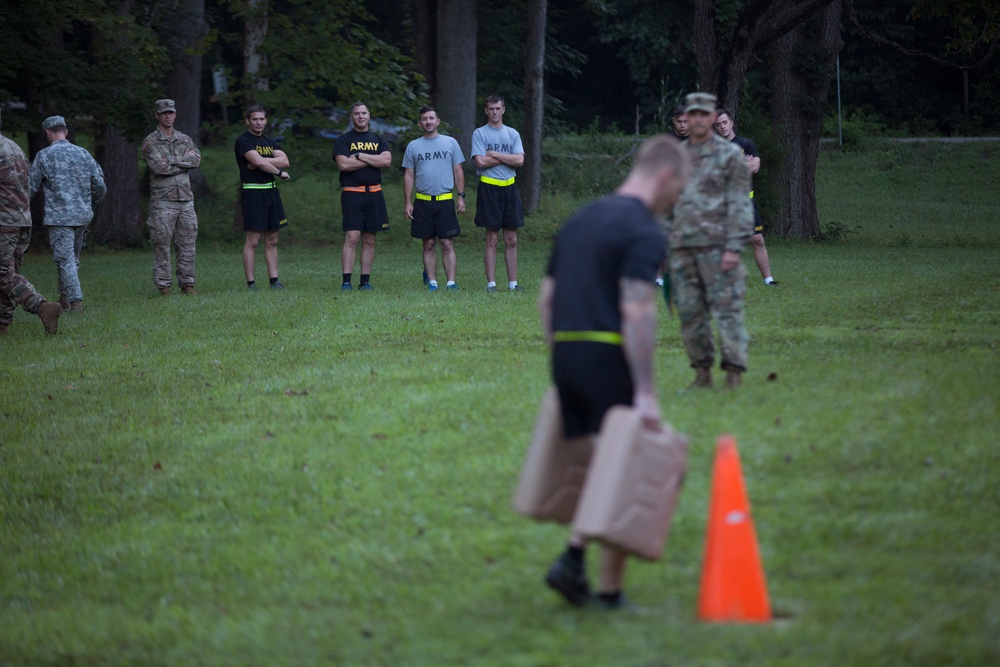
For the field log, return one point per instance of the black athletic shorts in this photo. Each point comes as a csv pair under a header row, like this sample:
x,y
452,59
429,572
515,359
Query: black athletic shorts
x,y
590,378
758,224
364,211
499,206
434,219
262,210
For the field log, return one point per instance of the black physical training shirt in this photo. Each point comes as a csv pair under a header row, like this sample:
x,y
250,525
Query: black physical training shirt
x,y
264,146
352,142
613,238
748,146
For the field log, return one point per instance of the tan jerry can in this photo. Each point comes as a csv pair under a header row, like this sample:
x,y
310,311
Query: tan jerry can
x,y
635,477
554,468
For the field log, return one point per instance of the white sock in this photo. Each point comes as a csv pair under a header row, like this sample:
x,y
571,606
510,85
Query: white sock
x,y
659,282
433,283
511,284
450,282
492,283
768,280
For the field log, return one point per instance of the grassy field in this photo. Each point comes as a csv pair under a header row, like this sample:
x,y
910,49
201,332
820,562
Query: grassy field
x,y
315,478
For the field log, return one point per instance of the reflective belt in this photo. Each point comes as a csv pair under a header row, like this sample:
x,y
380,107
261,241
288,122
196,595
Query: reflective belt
x,y
497,181
751,194
609,337
259,186
363,188
423,197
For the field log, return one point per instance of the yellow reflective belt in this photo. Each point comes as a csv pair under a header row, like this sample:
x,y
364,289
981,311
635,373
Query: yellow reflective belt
x,y
259,186
751,194
446,195
497,181
609,337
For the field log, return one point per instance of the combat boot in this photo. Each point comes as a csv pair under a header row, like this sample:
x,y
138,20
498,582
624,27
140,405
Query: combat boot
x,y
49,313
702,378
75,306
165,291
189,290
733,379
3,329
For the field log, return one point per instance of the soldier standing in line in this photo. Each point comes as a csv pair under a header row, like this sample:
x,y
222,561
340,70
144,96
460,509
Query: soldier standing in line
x,y
361,155
15,234
726,127
497,152
707,231
73,184
170,155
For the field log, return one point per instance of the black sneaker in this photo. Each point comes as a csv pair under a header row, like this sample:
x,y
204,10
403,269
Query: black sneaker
x,y
277,285
568,577
773,283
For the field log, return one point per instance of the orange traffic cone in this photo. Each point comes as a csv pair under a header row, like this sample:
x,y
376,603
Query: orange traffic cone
x,y
732,577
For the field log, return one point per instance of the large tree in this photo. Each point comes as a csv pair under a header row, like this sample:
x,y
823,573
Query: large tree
x,y
802,63
454,89
534,106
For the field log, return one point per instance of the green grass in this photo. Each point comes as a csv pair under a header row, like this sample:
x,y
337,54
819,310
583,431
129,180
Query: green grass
x,y
315,478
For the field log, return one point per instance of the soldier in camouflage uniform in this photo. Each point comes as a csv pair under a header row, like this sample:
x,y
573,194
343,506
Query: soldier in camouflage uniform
x,y
73,184
710,225
15,234
170,154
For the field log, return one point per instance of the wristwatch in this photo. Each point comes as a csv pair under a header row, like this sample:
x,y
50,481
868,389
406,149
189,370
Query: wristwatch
x,y
462,195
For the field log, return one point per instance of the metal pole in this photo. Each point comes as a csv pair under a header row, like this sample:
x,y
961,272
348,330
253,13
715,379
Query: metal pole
x,y
840,122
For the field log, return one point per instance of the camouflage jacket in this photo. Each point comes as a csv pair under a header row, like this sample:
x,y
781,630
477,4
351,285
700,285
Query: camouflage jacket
x,y
72,181
713,210
15,209
169,162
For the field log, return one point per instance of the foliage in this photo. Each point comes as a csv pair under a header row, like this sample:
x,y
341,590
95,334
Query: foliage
x,y
976,25
91,59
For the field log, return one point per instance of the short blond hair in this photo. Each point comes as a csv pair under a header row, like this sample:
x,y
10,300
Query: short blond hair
x,y
660,152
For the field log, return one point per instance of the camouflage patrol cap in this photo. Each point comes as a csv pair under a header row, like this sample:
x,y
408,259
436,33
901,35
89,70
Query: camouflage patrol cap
x,y
165,105
53,122
700,102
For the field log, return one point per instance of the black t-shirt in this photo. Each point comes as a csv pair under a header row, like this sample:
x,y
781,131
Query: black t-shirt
x,y
248,142
748,146
352,142
610,239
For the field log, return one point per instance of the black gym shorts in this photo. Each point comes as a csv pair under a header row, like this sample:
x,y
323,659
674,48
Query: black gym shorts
x,y
590,378
364,212
499,206
434,219
262,210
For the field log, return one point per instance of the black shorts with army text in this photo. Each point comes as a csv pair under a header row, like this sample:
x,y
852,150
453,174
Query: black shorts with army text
x,y
262,210
499,207
364,211
434,219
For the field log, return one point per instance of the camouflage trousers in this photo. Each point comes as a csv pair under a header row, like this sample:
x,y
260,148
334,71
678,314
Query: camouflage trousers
x,y
173,223
67,243
15,288
702,291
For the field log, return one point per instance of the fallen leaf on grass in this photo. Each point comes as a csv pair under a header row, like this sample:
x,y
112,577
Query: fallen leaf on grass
x,y
296,392
51,398
379,436
157,466
772,376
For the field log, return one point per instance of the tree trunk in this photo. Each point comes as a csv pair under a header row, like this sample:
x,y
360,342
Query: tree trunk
x,y
797,99
118,220
534,106
705,46
455,82
425,40
254,56
184,78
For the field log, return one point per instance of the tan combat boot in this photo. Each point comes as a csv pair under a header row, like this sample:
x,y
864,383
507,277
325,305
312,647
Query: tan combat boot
x,y
702,378
49,313
76,306
165,291
189,289
733,379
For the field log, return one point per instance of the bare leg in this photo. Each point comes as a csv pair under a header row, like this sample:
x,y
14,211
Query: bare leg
x,y
367,253
510,252
271,253
249,248
448,258
430,259
490,254
347,254
612,570
760,255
